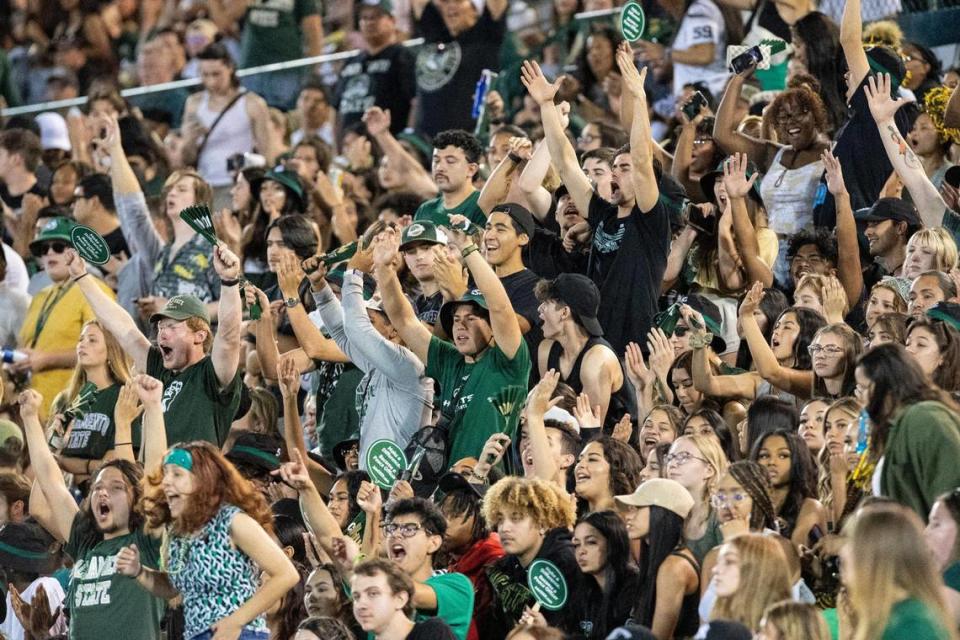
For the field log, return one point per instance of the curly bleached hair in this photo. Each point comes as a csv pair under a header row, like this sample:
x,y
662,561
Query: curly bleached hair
x,y
543,501
216,481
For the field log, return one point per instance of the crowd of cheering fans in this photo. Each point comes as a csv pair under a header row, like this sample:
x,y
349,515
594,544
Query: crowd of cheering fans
x,y
622,340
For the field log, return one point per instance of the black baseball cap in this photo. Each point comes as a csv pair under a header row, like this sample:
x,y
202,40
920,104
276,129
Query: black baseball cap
x,y
258,450
890,209
26,547
520,214
340,452
579,292
711,317
952,176
452,481
948,312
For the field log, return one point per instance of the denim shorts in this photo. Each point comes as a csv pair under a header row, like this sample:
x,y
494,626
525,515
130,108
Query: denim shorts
x,y
245,634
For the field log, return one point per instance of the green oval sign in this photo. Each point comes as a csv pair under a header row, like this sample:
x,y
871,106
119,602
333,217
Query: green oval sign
x,y
385,461
632,21
90,245
547,584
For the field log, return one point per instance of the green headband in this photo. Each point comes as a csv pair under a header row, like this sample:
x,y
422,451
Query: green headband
x,y
23,553
879,68
257,453
179,457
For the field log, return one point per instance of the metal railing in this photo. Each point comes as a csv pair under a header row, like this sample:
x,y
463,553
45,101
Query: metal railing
x,y
53,105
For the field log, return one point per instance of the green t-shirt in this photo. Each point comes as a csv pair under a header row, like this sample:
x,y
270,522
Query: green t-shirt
x,y
474,419
103,603
194,405
951,576
454,602
912,619
337,419
93,435
434,211
271,31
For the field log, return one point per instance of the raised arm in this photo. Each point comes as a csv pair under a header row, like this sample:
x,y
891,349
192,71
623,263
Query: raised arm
x,y
883,106
416,177
290,275
683,154
707,382
562,153
45,468
503,319
725,127
745,236
386,257
154,433
531,181
226,343
110,314
851,40
125,412
497,186
645,187
318,518
544,464
259,115
848,247
795,381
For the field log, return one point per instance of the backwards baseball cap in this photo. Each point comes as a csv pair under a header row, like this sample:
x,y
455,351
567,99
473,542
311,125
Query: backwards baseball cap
x,y
473,297
890,209
182,307
520,214
660,492
258,450
25,547
53,131
452,481
422,231
579,292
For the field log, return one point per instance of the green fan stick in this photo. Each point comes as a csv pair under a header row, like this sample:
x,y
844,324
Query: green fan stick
x,y
199,218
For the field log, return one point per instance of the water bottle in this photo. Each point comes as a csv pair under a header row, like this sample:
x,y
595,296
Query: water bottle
x,y
480,95
749,58
863,431
13,355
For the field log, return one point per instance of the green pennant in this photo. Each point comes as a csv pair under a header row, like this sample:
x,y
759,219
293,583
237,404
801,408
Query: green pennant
x,y
199,218
82,402
509,403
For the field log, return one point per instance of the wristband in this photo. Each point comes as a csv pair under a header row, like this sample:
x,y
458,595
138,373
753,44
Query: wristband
x,y
514,158
85,273
467,250
229,283
701,341
121,444
139,572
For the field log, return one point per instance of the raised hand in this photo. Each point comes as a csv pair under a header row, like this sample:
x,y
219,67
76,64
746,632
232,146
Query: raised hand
x,y
386,249
294,473
521,147
76,265
661,352
377,121
30,402
288,376
751,301
369,498
735,179
448,274
316,272
637,370
401,491
540,399
623,429
587,415
148,389
290,275
834,300
536,83
632,78
362,259
343,552
34,617
225,262
882,105
128,405
834,174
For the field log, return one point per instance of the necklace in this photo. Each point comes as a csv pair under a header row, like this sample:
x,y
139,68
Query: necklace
x,y
785,168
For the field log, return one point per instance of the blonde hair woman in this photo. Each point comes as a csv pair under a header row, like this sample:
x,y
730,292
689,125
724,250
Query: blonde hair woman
x,y
837,495
790,620
697,463
751,573
894,585
90,432
930,249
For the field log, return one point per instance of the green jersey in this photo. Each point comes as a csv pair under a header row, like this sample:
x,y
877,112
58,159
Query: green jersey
x,y
195,407
93,435
454,602
271,31
102,602
465,388
434,211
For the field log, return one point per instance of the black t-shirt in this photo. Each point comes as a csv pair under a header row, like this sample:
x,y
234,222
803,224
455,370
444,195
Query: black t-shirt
x,y
448,69
547,258
385,80
432,629
860,151
117,243
627,261
519,287
427,308
15,202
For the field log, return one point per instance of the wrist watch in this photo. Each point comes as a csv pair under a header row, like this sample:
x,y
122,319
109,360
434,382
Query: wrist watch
x,y
291,302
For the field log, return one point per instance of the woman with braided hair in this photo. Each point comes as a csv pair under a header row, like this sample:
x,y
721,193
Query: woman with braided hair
x,y
743,504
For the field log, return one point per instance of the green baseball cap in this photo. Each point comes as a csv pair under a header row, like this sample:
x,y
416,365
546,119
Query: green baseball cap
x,y
422,231
384,5
182,307
9,430
472,296
54,229
288,179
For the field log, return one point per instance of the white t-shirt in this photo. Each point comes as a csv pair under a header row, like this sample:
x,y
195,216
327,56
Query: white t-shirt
x,y
11,628
17,276
702,23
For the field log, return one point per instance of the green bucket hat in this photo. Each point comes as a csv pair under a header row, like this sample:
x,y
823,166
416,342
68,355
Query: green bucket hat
x,y
422,231
182,307
288,179
708,182
473,297
56,229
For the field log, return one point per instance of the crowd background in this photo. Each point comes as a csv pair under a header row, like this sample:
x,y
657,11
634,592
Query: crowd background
x,y
684,327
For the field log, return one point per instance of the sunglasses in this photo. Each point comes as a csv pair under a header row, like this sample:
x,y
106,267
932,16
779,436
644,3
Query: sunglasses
x,y
44,247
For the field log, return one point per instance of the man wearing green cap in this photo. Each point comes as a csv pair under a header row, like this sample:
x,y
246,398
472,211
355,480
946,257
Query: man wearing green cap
x,y
56,315
419,243
487,352
199,371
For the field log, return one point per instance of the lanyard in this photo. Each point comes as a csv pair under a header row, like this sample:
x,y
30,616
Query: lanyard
x,y
46,310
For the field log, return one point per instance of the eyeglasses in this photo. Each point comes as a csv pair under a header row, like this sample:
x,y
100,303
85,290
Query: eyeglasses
x,y
706,140
830,349
721,499
42,248
407,530
680,459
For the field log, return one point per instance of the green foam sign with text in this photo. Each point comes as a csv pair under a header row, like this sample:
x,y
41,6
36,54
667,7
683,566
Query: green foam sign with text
x,y
385,461
90,245
632,21
547,584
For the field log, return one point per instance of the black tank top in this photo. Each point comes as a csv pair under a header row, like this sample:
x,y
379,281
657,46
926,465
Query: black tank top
x,y
689,619
621,401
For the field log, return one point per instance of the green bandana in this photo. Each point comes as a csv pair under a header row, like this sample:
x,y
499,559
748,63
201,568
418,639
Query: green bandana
x,y
179,457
